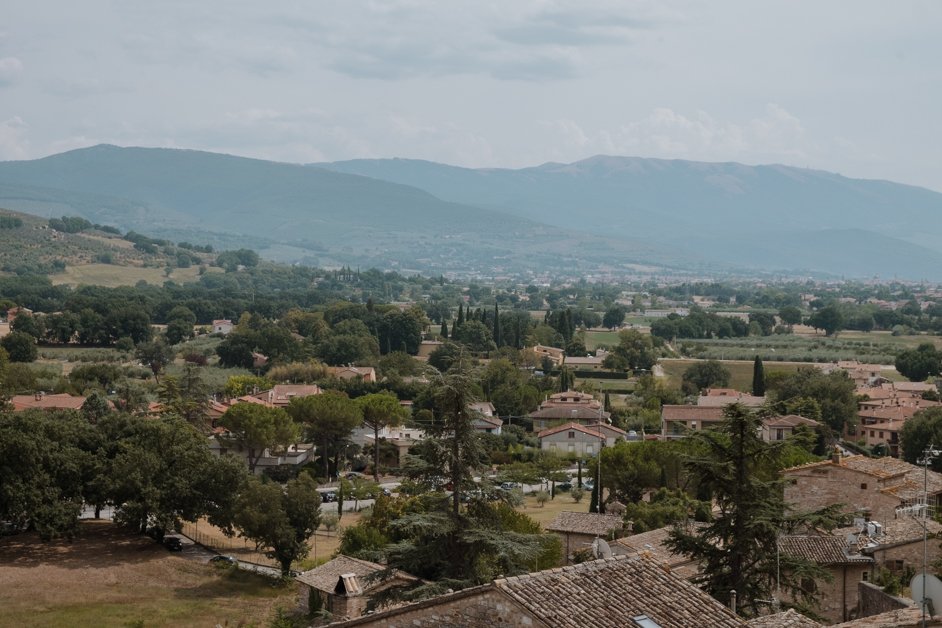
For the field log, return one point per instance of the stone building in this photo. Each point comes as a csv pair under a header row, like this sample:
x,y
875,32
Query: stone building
x,y
873,486
616,592
577,530
837,598
343,586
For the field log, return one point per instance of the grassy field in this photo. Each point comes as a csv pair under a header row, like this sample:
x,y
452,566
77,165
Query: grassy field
x,y
111,276
563,502
110,577
740,371
595,338
885,337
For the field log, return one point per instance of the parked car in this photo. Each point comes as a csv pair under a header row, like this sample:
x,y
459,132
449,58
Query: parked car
x,y
328,497
509,486
564,486
173,543
224,561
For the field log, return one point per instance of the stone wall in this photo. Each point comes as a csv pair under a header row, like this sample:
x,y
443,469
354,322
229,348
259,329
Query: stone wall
x,y
896,558
874,601
482,607
824,485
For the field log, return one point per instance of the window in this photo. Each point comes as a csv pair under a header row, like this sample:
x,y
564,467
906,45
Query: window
x,y
872,434
572,434
881,434
589,449
643,621
865,576
779,434
572,448
863,486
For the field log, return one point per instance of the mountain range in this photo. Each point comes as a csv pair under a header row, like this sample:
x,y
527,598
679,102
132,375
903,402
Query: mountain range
x,y
602,215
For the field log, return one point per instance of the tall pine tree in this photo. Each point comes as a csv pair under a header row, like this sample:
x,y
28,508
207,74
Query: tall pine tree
x,y
444,329
737,551
460,320
758,378
497,335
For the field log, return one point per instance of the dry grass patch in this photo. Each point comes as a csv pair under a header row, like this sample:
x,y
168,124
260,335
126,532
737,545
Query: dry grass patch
x,y
111,577
544,514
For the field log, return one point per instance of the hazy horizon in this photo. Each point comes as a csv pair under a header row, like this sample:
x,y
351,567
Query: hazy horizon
x,y
846,87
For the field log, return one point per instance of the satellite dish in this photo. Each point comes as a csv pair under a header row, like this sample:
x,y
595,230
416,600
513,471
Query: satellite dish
x,y
933,591
601,549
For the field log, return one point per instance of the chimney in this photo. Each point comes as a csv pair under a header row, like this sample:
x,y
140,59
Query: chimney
x,y
836,456
732,601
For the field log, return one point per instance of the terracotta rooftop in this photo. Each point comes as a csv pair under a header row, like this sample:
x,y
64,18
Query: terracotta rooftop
x,y
824,550
724,396
578,427
652,544
42,401
585,523
910,617
786,619
894,532
573,411
691,413
603,593
612,592
325,577
901,479
789,420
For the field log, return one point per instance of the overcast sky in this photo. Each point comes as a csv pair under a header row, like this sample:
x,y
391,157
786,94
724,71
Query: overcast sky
x,y
849,86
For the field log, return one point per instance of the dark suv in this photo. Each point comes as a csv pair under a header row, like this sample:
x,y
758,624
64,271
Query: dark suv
x,y
173,543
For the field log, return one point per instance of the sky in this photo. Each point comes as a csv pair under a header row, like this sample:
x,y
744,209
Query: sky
x,y
848,86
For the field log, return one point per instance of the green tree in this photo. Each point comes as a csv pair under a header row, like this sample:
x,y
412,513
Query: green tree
x,y
738,549
636,348
919,363
380,410
758,378
922,430
256,428
240,385
666,507
328,419
282,518
614,316
828,318
156,354
790,315
835,395
187,396
705,374
20,346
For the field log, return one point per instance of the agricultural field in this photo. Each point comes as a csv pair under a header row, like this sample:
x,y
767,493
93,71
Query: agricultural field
x,y
596,338
111,577
870,348
111,276
740,371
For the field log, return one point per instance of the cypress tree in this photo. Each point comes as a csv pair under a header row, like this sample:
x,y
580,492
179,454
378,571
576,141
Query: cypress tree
x,y
758,378
497,335
460,320
444,329
608,403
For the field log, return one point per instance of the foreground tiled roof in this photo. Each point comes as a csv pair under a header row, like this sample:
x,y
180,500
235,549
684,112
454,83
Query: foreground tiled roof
x,y
576,427
786,619
895,531
324,578
789,420
607,593
611,592
585,523
901,618
824,550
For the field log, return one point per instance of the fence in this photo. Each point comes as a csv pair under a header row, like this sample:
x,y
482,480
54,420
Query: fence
x,y
212,537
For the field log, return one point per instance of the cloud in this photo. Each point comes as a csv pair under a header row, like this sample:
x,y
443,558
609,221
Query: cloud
x,y
774,135
13,139
528,41
10,70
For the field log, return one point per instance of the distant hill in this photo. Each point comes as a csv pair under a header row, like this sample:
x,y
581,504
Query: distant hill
x,y
292,212
720,210
28,246
603,215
